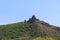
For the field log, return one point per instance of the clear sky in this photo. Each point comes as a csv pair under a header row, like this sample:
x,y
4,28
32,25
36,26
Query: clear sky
x,y
12,11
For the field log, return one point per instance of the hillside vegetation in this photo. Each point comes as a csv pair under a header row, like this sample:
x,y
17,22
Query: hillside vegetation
x,y
33,29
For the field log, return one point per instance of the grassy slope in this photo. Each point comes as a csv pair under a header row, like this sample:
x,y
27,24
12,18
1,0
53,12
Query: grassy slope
x,y
25,31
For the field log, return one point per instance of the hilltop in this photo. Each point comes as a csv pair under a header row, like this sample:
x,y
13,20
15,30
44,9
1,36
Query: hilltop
x,y
32,29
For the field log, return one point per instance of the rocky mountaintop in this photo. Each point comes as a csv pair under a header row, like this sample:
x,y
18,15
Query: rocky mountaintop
x,y
32,19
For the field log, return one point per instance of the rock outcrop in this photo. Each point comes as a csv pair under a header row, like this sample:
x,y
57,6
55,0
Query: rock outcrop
x,y
33,19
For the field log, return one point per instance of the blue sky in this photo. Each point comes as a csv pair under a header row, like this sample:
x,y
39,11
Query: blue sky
x,y
12,11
